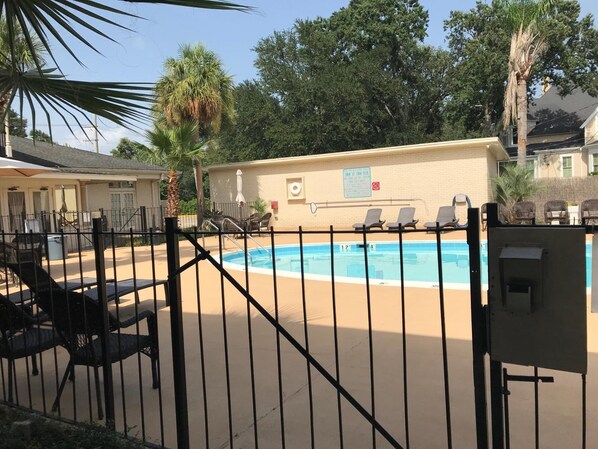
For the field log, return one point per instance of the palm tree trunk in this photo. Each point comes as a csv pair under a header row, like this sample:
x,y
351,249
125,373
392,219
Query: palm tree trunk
x,y
197,169
172,204
521,122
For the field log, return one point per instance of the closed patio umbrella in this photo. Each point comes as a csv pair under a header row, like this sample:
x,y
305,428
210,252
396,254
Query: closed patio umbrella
x,y
240,198
14,167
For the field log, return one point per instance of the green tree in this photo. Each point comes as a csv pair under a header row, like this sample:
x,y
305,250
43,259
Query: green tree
x,y
358,79
173,147
60,21
40,136
515,183
130,149
17,125
195,89
480,43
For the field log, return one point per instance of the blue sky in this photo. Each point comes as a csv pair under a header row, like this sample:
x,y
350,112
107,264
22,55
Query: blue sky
x,y
138,55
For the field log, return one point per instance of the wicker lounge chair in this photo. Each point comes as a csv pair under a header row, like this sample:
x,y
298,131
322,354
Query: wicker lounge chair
x,y
503,214
372,220
21,336
77,320
556,210
445,219
264,222
405,219
588,211
524,212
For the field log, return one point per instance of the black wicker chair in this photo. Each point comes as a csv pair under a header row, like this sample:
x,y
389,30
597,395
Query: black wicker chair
x,y
22,336
78,321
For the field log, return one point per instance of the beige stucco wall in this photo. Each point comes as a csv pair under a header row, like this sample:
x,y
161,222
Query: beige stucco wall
x,y
423,176
98,194
549,165
591,131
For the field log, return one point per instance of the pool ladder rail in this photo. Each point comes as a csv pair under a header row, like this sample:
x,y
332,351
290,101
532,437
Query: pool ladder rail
x,y
237,244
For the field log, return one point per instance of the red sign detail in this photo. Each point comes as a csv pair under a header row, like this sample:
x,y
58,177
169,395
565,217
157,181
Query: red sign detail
x,y
376,185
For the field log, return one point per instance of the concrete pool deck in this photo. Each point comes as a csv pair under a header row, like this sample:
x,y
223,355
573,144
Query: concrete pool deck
x,y
560,403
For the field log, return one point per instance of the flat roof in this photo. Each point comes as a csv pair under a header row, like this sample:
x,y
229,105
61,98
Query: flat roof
x,y
489,143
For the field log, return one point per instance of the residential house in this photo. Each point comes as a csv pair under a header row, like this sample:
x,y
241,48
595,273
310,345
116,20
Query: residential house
x,y
84,185
562,138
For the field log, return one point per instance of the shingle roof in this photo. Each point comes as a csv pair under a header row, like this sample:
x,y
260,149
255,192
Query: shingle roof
x,y
558,115
576,141
73,160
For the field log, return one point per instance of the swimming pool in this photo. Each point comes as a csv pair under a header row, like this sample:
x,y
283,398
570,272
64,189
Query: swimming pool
x,y
419,260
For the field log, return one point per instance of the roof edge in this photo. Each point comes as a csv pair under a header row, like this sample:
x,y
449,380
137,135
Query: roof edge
x,y
491,143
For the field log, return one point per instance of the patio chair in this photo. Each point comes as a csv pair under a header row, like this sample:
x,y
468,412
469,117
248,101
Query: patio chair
x,y
372,220
252,223
21,336
524,212
39,280
405,219
264,222
588,211
77,320
556,210
445,219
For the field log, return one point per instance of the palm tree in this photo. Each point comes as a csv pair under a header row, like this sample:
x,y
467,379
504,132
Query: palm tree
x,y
172,147
528,44
48,88
195,89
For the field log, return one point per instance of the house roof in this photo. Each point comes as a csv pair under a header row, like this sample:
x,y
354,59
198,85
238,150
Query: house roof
x,y
492,144
74,160
561,115
576,141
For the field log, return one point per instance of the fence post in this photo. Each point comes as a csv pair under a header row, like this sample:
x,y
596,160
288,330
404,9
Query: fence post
x,y
143,213
177,336
478,328
98,245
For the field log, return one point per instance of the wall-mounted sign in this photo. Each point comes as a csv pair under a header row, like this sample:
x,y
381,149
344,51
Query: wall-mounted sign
x,y
357,182
376,185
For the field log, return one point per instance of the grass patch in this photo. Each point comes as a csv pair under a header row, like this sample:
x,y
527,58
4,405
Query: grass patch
x,y
21,430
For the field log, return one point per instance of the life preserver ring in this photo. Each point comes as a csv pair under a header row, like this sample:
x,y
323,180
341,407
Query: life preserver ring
x,y
295,188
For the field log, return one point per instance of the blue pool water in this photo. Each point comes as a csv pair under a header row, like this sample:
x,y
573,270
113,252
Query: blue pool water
x,y
419,260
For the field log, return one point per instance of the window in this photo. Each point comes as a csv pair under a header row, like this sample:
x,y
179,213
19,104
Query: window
x,y
593,169
566,166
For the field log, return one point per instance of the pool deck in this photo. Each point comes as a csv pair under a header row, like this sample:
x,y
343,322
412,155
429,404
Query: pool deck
x,y
560,405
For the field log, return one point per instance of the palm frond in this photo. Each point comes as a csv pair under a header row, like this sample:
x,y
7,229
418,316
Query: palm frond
x,y
52,18
121,103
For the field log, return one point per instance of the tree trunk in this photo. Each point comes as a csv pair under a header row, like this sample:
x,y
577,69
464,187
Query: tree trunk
x,y
172,204
197,169
521,122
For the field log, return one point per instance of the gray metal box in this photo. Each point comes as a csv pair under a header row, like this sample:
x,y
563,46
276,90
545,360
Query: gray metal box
x,y
537,297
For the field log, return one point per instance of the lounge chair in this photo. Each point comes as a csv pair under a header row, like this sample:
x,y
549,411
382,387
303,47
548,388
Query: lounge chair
x,y
405,219
264,222
22,336
588,211
524,212
39,280
556,210
372,220
503,214
78,321
445,219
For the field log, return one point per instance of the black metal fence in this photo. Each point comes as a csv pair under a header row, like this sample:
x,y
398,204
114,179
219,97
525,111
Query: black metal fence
x,y
169,345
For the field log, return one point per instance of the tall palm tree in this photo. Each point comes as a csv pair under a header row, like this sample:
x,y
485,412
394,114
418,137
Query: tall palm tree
x,y
528,44
172,147
59,20
195,89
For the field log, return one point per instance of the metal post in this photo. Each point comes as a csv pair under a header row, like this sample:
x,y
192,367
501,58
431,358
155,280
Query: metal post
x,y
144,229
98,245
496,382
478,327
177,337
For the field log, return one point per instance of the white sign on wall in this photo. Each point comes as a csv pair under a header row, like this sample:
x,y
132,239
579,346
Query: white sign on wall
x,y
357,182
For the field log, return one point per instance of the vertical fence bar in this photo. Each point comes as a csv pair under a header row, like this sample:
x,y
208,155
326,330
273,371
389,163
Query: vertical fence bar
x,y
178,340
98,244
496,383
478,328
404,336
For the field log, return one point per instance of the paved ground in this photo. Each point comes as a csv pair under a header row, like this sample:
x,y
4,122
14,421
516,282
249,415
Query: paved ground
x,y
560,407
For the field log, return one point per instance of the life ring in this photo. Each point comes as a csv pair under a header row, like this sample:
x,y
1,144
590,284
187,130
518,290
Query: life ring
x,y
295,188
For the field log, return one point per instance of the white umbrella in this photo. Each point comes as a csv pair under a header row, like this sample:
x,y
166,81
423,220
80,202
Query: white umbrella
x,y
240,198
14,167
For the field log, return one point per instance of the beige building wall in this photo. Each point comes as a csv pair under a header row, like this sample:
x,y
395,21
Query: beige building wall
x,y
425,176
591,131
550,164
